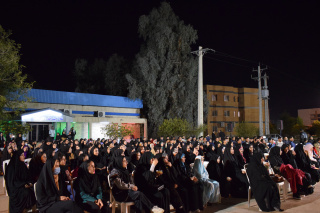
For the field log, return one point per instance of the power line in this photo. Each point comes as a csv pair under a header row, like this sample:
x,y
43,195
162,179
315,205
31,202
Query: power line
x,y
218,53
234,57
226,62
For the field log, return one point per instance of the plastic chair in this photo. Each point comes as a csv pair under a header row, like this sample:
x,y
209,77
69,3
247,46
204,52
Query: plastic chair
x,y
35,189
284,185
249,189
27,161
4,166
205,164
125,206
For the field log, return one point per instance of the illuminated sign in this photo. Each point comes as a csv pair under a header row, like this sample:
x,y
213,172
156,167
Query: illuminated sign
x,y
43,116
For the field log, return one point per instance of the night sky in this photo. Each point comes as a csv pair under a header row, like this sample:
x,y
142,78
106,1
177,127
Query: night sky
x,y
284,36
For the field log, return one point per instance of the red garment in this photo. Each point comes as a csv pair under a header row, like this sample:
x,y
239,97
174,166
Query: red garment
x,y
315,150
294,176
74,174
244,159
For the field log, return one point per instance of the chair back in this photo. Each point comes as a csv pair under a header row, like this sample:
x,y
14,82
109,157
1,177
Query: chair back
x,y
27,161
35,189
111,195
4,166
245,168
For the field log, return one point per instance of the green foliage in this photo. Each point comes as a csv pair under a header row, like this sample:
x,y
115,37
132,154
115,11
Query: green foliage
x,y
115,82
115,130
178,127
315,128
244,129
273,129
14,127
13,85
291,125
164,73
102,77
89,77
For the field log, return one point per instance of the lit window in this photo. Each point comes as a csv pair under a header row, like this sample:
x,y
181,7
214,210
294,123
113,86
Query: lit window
x,y
234,113
239,114
214,97
226,98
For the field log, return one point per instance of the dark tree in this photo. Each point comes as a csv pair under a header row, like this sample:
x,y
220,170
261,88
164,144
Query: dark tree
x,y
102,77
115,82
165,73
90,78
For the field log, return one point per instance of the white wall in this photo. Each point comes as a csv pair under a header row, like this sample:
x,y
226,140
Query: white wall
x,y
96,130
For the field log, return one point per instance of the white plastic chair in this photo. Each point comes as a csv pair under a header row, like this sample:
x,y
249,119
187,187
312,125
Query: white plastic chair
x,y
284,185
27,161
249,189
4,166
125,206
35,190
205,164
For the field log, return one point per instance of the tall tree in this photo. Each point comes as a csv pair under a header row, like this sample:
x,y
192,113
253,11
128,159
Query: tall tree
x,y
291,125
164,75
13,85
90,77
115,83
102,77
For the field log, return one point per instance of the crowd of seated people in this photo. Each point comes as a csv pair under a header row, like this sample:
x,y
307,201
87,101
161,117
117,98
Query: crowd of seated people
x,y
188,173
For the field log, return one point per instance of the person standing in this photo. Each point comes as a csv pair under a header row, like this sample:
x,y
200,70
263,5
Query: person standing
x,y
221,135
72,133
52,133
2,140
213,135
303,136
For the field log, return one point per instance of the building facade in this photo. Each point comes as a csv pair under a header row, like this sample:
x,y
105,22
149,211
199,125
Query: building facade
x,y
308,116
230,105
86,113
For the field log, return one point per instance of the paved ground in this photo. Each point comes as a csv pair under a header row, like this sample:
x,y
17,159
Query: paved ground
x,y
309,204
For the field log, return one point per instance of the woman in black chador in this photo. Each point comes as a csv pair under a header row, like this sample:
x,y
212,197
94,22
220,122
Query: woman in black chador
x,y
145,178
234,174
36,165
18,183
188,181
124,190
264,189
304,163
52,191
215,170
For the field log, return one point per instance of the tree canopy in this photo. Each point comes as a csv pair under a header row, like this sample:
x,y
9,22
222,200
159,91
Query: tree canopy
x,y
164,73
102,77
291,125
13,85
115,130
246,129
179,127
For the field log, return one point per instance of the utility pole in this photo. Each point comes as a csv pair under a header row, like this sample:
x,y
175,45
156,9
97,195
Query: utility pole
x,y
200,53
265,97
259,70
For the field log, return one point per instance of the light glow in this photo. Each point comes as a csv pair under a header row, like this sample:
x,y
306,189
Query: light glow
x,y
43,116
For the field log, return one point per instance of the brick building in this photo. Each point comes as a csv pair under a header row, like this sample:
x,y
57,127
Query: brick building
x,y
230,105
309,115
